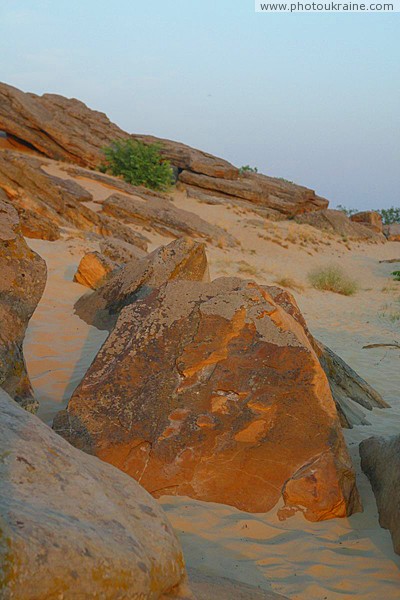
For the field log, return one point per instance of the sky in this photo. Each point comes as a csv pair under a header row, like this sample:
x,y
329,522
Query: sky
x,y
313,98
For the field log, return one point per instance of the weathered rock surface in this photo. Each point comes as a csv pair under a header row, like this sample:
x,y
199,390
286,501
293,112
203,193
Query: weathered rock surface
x,y
200,389
74,527
392,232
61,201
119,251
336,221
347,387
93,269
220,588
36,226
23,278
181,259
380,461
370,219
161,215
284,197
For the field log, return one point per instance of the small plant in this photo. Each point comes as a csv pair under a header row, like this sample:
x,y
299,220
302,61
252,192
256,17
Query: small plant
x,y
289,282
138,164
244,267
284,180
247,169
396,275
333,279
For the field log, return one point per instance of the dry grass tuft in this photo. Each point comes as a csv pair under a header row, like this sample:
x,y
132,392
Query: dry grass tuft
x,y
290,283
333,279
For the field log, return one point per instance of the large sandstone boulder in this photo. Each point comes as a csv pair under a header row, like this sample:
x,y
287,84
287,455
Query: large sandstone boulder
x,y
181,259
370,219
22,281
74,527
337,222
161,215
380,461
212,390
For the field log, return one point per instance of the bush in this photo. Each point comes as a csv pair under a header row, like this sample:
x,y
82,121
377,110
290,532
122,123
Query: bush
x,y
247,169
138,163
396,275
333,279
390,215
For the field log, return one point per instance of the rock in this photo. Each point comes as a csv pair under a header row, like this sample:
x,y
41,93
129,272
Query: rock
x,y
93,269
74,527
164,217
60,201
207,587
200,389
37,226
23,278
347,387
337,222
119,251
370,219
380,461
181,259
392,232
281,196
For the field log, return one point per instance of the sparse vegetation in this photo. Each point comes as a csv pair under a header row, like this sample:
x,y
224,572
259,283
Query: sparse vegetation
x,y
389,215
138,164
247,169
332,278
290,283
285,180
396,275
244,267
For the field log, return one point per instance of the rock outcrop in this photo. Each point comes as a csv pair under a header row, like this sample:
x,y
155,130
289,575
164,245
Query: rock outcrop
x,y
74,527
337,222
181,259
380,461
162,216
370,219
93,269
212,390
119,251
23,278
66,129
392,232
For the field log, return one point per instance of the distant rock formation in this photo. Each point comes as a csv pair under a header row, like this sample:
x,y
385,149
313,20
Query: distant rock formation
x,y
22,281
392,232
213,390
380,461
337,222
74,527
370,219
66,129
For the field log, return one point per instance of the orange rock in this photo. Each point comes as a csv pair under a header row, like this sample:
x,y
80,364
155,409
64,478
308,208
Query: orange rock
x,y
370,219
93,269
213,390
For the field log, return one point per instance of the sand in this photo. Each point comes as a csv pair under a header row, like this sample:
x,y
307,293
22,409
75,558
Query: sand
x,y
334,559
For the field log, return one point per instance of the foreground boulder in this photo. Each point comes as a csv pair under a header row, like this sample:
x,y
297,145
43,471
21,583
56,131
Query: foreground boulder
x,y
380,461
370,219
212,390
181,259
23,278
93,269
74,527
338,223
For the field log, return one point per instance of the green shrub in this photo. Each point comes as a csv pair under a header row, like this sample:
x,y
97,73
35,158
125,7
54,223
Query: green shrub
x,y
138,163
396,275
247,169
333,279
389,215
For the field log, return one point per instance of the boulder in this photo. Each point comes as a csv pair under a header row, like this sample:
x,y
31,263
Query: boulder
x,y
380,461
181,259
392,232
337,222
36,226
212,390
23,278
282,196
72,526
119,251
370,219
162,216
93,269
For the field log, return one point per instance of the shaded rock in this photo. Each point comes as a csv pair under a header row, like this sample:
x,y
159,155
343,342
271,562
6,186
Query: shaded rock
x,y
392,232
93,269
220,588
23,278
347,387
164,217
74,527
200,389
60,201
119,251
37,226
336,221
284,197
380,461
370,219
181,259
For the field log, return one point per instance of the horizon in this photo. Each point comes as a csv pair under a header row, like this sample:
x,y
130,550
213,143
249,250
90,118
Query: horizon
x,y
229,82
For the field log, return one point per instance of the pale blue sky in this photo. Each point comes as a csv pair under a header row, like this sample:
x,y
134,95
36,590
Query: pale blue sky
x,y
310,97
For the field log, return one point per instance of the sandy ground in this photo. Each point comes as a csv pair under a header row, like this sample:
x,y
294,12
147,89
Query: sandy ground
x,y
305,561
